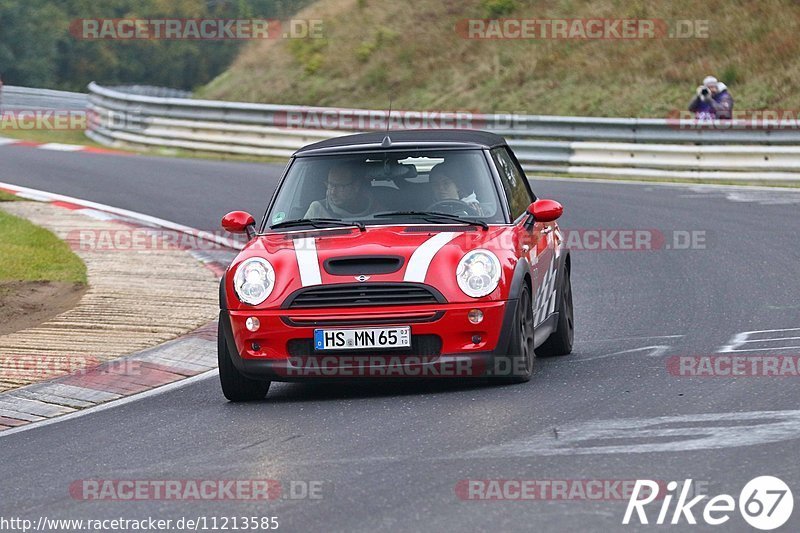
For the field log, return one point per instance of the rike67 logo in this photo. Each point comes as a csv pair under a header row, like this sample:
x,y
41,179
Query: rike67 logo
x,y
765,503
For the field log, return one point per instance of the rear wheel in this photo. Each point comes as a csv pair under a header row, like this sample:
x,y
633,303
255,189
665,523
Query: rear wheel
x,y
235,386
521,355
560,341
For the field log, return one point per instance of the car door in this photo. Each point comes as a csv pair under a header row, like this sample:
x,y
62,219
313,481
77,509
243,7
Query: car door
x,y
537,239
544,271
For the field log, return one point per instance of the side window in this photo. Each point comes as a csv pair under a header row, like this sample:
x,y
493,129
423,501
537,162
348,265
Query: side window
x,y
513,182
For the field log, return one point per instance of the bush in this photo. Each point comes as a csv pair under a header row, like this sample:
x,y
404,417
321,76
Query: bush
x,y
498,8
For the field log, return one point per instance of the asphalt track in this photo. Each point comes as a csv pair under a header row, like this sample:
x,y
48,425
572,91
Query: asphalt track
x,y
392,455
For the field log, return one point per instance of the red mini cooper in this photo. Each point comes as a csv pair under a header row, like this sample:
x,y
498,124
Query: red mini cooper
x,y
402,254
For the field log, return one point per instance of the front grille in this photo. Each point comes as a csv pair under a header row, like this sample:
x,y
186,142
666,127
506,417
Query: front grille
x,y
363,295
421,345
353,266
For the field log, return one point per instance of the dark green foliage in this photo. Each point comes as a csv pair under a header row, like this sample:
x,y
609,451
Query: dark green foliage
x,y
37,48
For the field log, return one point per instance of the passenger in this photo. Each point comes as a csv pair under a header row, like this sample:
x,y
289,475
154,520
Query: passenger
x,y
448,185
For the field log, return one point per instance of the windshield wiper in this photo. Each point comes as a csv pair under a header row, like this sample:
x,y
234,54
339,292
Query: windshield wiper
x,y
318,223
435,217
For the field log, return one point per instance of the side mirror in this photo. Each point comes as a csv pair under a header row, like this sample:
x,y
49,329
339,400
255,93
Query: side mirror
x,y
239,222
545,210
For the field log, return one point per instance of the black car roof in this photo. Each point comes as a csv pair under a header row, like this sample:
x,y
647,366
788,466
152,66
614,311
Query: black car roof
x,y
405,139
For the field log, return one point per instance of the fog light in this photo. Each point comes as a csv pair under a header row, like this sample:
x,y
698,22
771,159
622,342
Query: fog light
x,y
476,339
475,316
253,323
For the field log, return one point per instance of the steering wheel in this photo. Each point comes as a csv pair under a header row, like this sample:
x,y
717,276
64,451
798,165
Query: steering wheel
x,y
452,207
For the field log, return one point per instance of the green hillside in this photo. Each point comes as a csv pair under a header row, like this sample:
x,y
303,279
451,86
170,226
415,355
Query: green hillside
x,y
372,49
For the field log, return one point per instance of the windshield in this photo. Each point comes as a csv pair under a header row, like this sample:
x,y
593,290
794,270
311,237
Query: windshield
x,y
385,187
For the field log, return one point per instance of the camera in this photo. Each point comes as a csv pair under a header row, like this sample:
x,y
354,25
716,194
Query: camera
x,y
704,91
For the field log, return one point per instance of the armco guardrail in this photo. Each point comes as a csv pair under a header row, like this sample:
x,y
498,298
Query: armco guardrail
x,y
546,144
29,98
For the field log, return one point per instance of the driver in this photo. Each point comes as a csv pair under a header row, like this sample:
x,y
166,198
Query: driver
x,y
347,195
446,186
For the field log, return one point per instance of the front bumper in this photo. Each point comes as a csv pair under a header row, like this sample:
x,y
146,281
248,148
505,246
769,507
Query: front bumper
x,y
443,342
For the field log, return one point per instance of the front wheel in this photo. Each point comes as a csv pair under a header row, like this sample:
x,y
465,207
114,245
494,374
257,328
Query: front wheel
x,y
235,386
521,355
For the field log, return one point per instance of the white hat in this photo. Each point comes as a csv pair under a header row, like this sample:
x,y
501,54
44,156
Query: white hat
x,y
708,80
721,86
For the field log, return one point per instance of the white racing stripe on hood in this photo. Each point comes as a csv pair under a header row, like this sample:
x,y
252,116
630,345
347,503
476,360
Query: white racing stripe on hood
x,y
421,259
307,261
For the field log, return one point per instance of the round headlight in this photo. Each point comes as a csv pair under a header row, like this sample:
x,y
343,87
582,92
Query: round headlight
x,y
254,280
478,273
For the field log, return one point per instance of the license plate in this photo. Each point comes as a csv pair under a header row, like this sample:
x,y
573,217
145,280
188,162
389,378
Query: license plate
x,y
354,339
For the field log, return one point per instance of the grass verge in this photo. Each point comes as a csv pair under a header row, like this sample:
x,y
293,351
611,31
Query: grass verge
x,y
31,253
50,136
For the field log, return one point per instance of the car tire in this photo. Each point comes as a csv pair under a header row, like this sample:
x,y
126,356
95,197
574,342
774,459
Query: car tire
x,y
521,354
560,341
235,386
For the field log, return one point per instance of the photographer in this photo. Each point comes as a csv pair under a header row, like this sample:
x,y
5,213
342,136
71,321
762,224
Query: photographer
x,y
701,103
712,101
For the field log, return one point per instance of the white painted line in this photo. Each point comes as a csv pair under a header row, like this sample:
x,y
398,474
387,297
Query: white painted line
x,y
635,338
33,196
653,351
114,403
763,349
776,339
5,140
670,434
95,214
62,147
38,195
745,337
772,330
